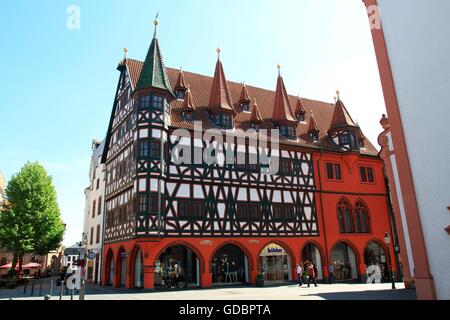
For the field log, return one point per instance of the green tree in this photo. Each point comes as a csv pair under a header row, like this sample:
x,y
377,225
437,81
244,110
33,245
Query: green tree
x,y
30,222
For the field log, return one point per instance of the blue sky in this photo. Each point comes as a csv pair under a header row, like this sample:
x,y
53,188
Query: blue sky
x,y
58,84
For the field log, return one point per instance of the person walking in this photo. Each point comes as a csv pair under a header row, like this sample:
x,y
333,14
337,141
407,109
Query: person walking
x,y
299,275
331,274
311,275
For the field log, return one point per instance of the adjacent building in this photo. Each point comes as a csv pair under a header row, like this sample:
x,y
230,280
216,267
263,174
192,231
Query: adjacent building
x,y
2,188
173,218
412,48
94,213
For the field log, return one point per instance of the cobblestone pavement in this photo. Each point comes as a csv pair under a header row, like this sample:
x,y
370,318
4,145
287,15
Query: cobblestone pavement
x,y
282,292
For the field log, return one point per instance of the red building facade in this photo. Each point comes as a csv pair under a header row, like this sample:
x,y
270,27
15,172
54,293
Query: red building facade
x,y
321,197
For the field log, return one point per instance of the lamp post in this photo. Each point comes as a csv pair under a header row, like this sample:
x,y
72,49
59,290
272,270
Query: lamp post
x,y
387,240
82,271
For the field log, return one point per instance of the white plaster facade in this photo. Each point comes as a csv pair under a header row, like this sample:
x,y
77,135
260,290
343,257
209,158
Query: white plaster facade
x,y
417,34
94,212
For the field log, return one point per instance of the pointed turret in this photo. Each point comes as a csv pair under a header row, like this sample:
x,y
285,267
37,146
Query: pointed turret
x,y
153,74
255,117
341,117
343,130
181,82
300,110
220,98
282,110
188,104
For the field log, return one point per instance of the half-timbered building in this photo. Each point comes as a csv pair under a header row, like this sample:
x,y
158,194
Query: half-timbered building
x,y
320,198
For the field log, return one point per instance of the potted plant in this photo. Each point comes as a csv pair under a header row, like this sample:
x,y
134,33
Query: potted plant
x,y
260,280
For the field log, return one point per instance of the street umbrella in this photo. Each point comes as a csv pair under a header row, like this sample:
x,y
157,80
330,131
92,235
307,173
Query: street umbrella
x,y
9,266
31,265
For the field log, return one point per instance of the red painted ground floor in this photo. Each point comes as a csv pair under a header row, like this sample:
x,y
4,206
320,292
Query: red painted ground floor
x,y
205,262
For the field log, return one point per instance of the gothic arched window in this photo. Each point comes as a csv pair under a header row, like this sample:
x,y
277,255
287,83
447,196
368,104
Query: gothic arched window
x,y
345,219
362,220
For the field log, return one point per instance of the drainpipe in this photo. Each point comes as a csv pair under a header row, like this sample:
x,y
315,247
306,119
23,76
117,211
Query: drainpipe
x,y
327,261
393,225
100,263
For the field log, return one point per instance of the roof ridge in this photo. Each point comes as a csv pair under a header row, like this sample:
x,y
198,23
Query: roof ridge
x,y
239,83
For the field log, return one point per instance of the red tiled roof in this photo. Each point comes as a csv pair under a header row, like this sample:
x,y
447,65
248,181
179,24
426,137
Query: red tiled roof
x,y
200,86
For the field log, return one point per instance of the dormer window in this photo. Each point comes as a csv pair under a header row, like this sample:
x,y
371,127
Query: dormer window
x,y
245,106
349,139
255,126
180,94
300,117
287,132
187,115
223,121
314,136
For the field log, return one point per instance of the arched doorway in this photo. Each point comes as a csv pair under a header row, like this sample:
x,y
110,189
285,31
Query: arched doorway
x,y
311,253
109,277
229,266
374,254
122,267
343,259
177,267
275,263
138,270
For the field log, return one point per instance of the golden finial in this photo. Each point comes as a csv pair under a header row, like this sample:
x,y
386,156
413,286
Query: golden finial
x,y
125,51
337,94
279,68
335,99
218,50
